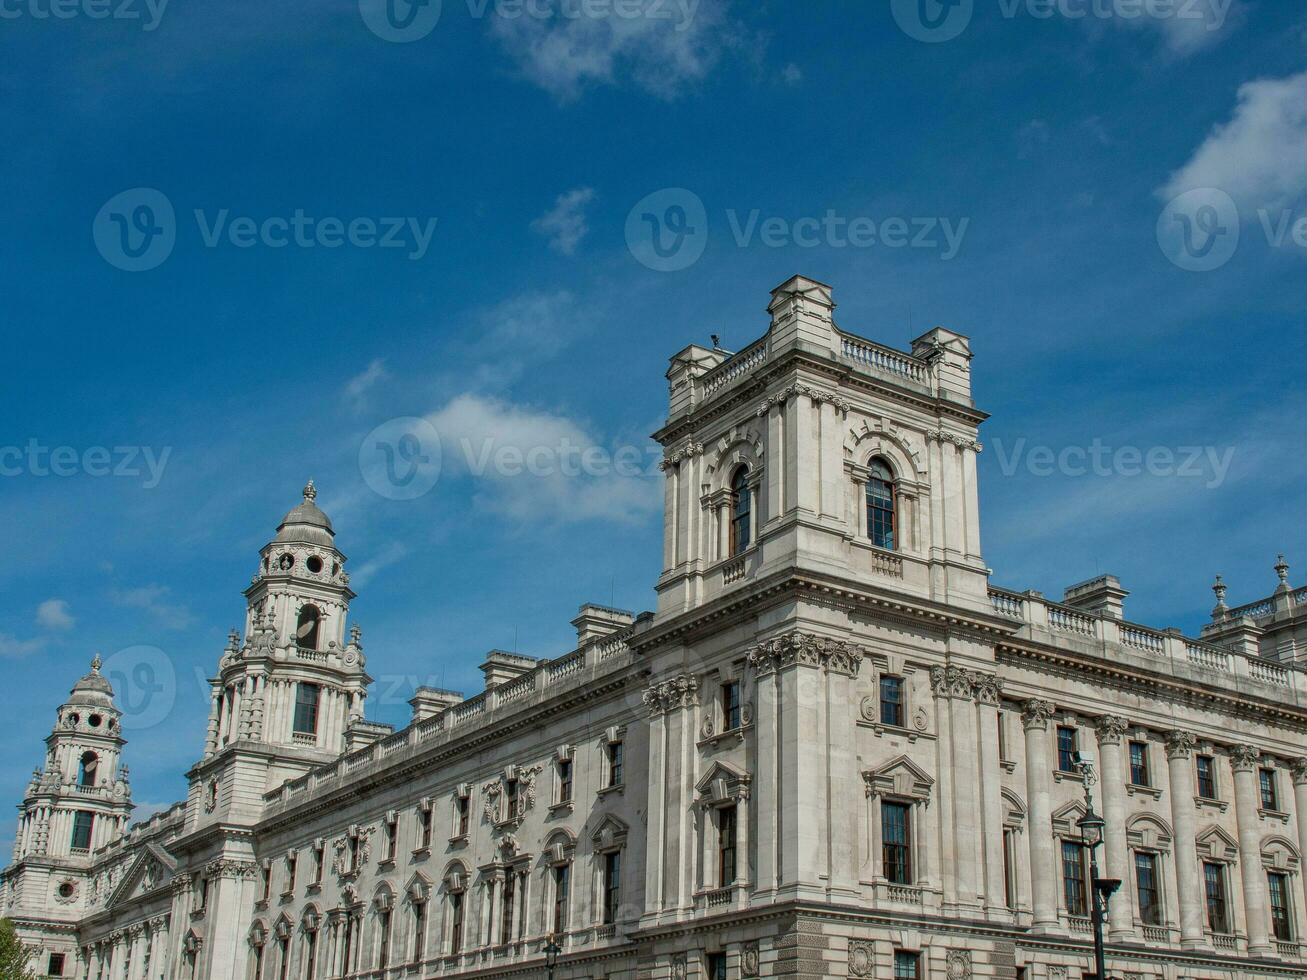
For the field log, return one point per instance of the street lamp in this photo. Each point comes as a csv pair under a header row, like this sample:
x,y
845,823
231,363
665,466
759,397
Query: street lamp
x,y
552,949
1101,889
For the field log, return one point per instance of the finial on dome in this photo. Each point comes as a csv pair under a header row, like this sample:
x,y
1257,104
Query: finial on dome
x,y
1282,570
96,663
310,491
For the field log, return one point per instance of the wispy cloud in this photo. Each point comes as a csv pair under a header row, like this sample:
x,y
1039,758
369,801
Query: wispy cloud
x,y
1258,157
12,647
364,572
153,599
565,223
53,614
358,386
662,47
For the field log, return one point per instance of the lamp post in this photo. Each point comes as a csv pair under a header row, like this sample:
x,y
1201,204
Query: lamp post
x,y
1100,889
552,949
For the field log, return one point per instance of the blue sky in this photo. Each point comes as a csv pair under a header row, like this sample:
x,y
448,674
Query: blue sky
x,y
1052,144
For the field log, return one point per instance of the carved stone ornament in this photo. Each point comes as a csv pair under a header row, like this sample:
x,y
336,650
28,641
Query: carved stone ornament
x,y
817,395
670,459
1299,769
805,650
749,960
679,966
988,687
869,709
1179,745
920,720
959,964
681,691
862,959
1036,713
1111,729
1244,758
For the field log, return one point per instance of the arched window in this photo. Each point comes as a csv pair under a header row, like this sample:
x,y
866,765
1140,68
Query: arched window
x,y
86,767
880,506
741,511
306,630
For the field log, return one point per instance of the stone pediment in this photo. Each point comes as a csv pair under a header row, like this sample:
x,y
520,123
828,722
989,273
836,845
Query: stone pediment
x,y
152,870
1216,845
899,777
723,782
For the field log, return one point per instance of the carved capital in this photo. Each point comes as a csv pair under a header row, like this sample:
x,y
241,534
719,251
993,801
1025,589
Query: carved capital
x,y
681,691
951,682
988,687
1036,713
1244,758
1111,729
1180,745
1299,770
805,650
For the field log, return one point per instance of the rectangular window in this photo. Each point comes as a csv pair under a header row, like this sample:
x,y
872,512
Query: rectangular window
x,y
730,706
1214,882
896,842
462,811
1146,885
564,780
1277,888
283,954
1009,872
392,837
1075,883
906,965
725,846
424,827
891,701
716,966
202,899
267,880
1066,748
419,931
306,708
1139,774
1270,792
612,886
383,923
510,799
354,852
292,865
615,763
83,824
1206,769
319,859
258,962
55,967
456,922
562,892
508,900
1002,736
310,955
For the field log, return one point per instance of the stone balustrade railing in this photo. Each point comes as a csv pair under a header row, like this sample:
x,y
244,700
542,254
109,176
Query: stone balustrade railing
x,y
1040,613
549,677
734,367
873,355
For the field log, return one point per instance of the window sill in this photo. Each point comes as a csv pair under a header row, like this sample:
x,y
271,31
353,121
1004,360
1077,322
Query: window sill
x,y
1009,765
261,905
422,851
1061,774
1279,815
617,788
1211,804
563,806
1139,789
880,729
197,914
386,864
737,734
314,887
288,896
458,840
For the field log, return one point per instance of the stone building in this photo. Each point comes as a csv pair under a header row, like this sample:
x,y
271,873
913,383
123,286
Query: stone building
x,y
835,750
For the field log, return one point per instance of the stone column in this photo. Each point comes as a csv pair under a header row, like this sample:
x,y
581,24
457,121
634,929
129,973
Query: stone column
x,y
841,663
988,689
770,789
1189,885
1111,732
1043,873
211,736
955,686
946,838
657,802
1244,759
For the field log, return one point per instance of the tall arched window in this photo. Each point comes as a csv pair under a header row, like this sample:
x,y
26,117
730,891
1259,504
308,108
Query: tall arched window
x,y
86,767
741,511
306,630
880,506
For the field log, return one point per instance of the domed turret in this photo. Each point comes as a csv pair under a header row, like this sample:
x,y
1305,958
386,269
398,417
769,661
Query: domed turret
x,y
306,522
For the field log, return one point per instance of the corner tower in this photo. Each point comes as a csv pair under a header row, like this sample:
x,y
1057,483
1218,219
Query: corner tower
x,y
817,450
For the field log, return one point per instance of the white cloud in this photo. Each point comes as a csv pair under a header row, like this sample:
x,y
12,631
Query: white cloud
x,y
53,614
1258,157
564,224
662,46
152,599
364,572
11,647
534,465
791,74
361,384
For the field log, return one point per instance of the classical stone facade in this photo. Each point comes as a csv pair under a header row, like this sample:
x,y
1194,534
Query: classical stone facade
x,y
835,749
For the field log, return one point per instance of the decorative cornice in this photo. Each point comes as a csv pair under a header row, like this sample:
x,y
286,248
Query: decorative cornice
x,y
817,395
1180,745
939,435
1111,729
670,459
804,650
